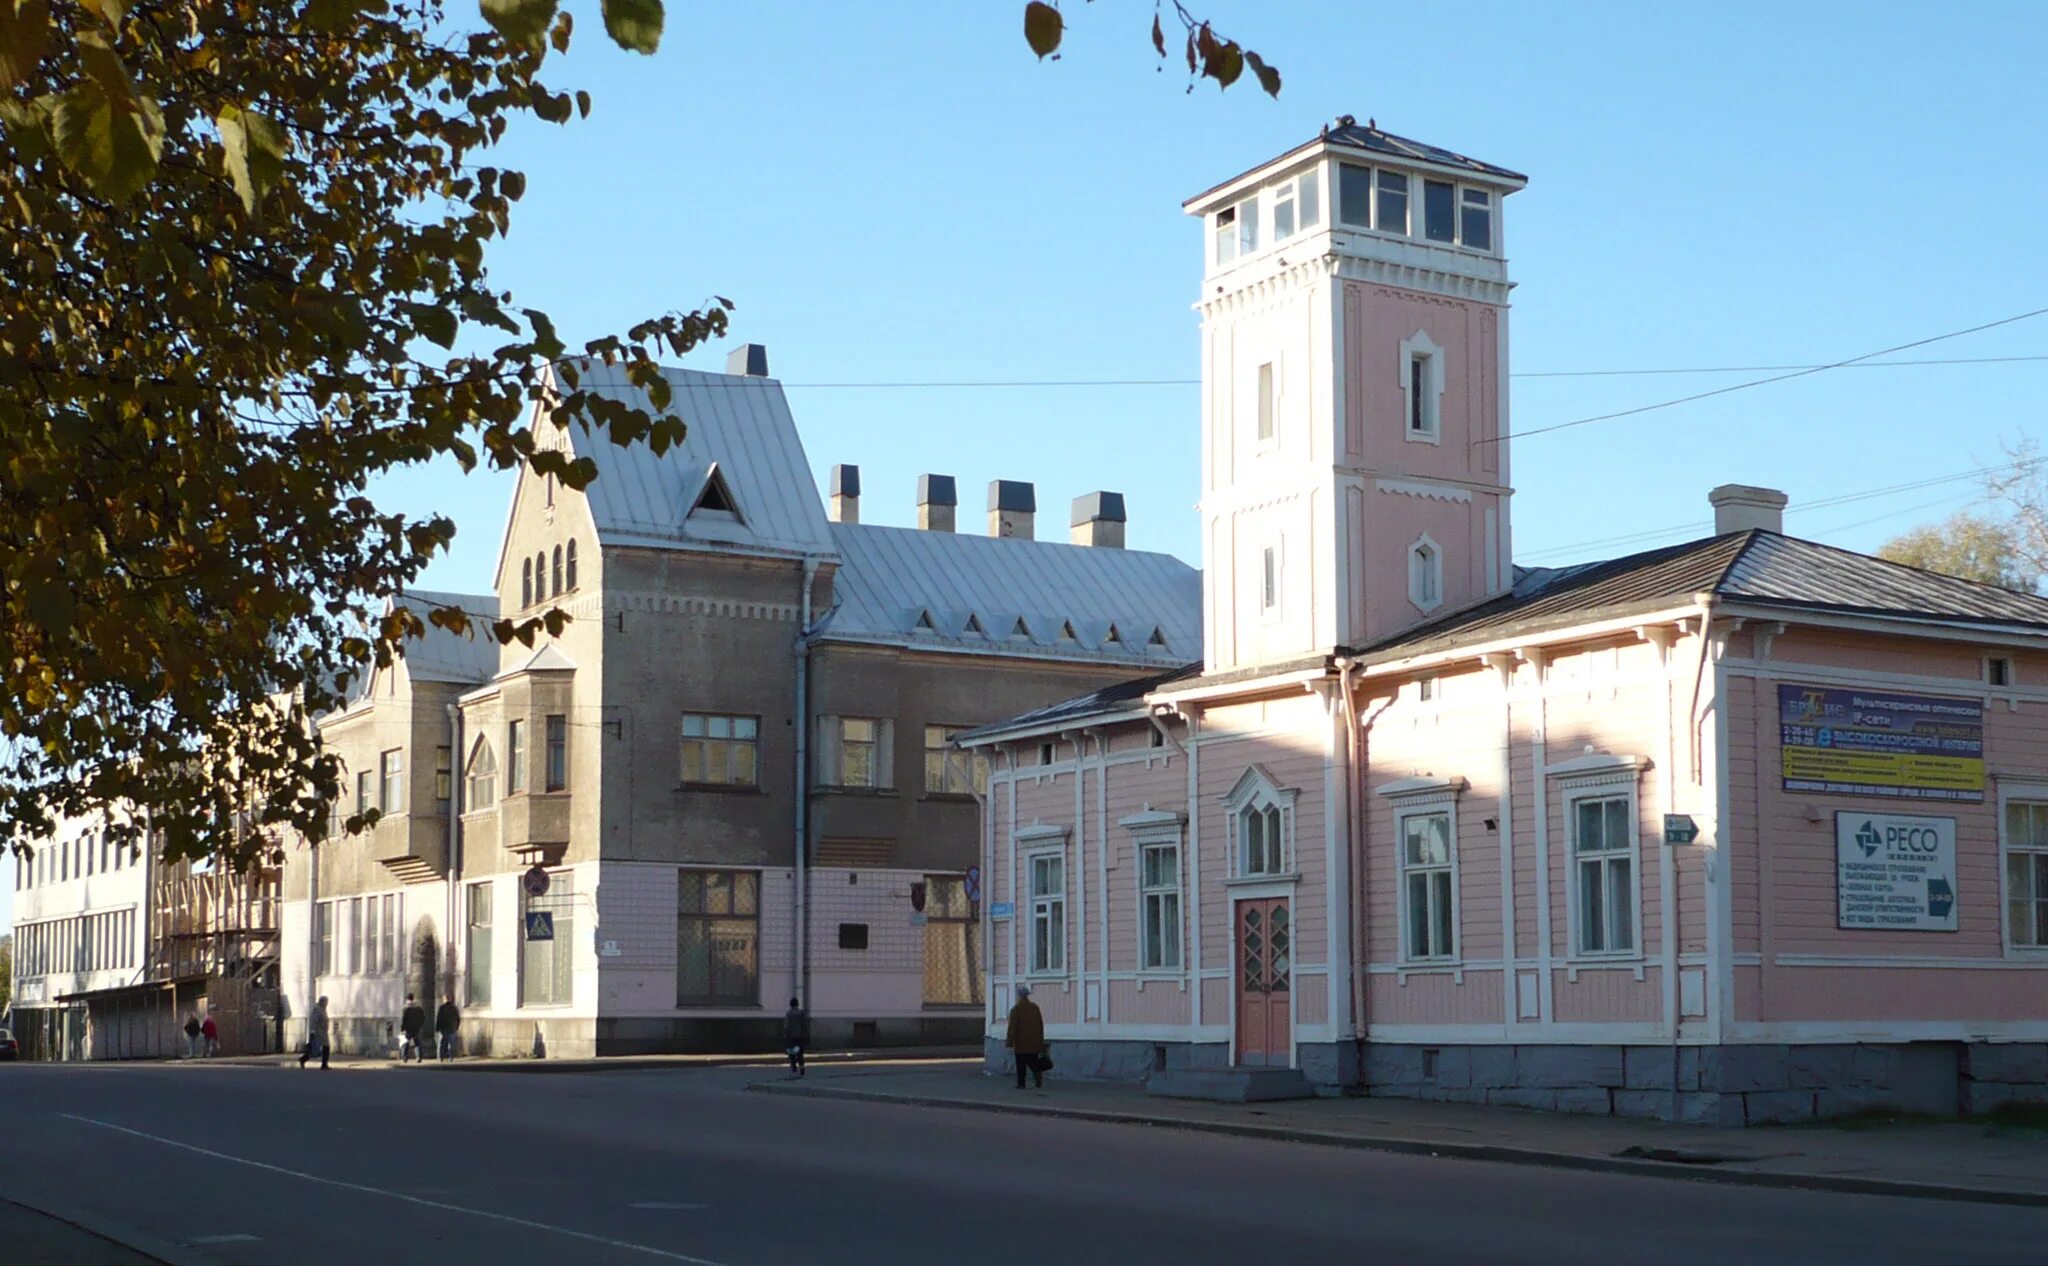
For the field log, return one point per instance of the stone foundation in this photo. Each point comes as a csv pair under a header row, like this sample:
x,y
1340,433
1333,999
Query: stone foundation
x,y
1718,1085
1331,1067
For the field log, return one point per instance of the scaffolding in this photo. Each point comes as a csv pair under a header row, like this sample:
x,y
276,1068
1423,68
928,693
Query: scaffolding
x,y
215,938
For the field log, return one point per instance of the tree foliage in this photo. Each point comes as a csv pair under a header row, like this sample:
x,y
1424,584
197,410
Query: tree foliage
x,y
1210,53
243,275
1970,545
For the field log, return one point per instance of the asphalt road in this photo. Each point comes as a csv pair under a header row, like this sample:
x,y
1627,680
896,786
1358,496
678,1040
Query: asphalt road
x,y
263,1165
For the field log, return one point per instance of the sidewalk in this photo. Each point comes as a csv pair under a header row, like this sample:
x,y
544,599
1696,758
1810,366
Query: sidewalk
x,y
1951,1160
601,1064
37,1239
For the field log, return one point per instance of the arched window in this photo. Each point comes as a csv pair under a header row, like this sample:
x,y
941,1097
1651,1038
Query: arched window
x,y
1262,825
556,587
482,776
1425,574
526,582
572,562
540,576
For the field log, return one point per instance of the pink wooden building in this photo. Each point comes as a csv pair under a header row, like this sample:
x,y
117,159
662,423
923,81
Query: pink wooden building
x,y
1748,829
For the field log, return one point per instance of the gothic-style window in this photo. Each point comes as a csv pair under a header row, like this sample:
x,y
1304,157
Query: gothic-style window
x,y
526,582
572,562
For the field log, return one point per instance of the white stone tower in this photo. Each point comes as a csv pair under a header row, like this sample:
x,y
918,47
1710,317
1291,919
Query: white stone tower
x,y
1354,394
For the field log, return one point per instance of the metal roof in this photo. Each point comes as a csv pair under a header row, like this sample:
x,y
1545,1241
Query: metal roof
x,y
1351,134
1120,697
1754,567
908,587
439,655
738,426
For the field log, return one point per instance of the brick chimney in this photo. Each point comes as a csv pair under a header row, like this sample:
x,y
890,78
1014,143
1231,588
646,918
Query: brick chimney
x,y
1099,520
1739,507
937,500
845,503
1012,508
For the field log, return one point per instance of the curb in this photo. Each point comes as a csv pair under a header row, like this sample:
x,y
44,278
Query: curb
x,y
1459,1151
602,1064
115,1233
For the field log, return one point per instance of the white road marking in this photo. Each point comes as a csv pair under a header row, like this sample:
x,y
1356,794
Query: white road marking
x,y
667,1205
224,1239
507,1218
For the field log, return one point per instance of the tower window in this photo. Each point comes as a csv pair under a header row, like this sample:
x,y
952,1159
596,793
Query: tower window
x,y
1269,583
1354,195
1438,222
1226,235
1310,201
1421,368
1390,213
1266,402
1425,574
1283,212
1247,226
1998,671
1475,216
1418,381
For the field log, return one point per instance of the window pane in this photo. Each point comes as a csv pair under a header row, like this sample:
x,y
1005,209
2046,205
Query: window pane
x,y
693,727
2039,837
1621,904
1391,213
1588,839
2018,917
1170,905
2040,864
859,730
1592,911
1438,223
690,891
746,893
1354,195
1248,225
1283,216
1618,830
1440,912
746,728
1418,916
1226,235
1311,200
1476,228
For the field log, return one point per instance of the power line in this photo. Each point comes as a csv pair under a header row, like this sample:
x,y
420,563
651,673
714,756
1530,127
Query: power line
x,y
1775,378
970,383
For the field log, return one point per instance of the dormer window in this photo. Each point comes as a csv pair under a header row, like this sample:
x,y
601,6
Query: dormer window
x,y
1297,205
1475,219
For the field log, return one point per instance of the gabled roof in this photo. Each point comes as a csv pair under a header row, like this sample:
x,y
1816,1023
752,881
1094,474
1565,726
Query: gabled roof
x,y
545,660
739,425
440,655
1121,697
889,577
1755,567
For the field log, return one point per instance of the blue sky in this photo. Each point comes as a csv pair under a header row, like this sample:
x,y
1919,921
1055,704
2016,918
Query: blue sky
x,y
899,192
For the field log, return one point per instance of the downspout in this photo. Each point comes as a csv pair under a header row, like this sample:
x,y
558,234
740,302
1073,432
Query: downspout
x,y
799,966
455,911
1352,995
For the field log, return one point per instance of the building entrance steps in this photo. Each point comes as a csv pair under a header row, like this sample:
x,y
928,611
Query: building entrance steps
x,y
1237,1084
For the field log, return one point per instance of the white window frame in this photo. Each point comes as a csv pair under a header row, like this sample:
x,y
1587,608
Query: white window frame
x,y
1154,830
391,796
732,743
1460,205
1266,404
1225,234
2010,670
1426,586
1409,869
1420,347
1337,194
2029,793
1272,581
1408,200
1621,780
1258,792
881,747
1040,906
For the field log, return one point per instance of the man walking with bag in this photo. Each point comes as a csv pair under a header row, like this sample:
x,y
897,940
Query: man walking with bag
x,y
411,1022
796,1035
316,1034
1025,1037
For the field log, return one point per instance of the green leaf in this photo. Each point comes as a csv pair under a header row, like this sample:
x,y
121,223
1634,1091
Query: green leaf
x,y
1043,26
1269,79
254,147
49,601
1227,65
521,21
513,185
436,324
27,124
634,24
112,142
109,11
24,38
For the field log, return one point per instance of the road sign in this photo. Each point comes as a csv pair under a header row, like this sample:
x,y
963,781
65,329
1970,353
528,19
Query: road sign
x,y
540,925
1679,828
536,881
974,883
609,949
1001,910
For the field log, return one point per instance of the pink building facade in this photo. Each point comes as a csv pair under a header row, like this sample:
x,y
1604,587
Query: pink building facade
x,y
1749,829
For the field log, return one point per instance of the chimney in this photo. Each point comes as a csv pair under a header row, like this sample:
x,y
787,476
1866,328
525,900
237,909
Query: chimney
x,y
1012,506
1099,520
749,360
845,505
936,502
1739,507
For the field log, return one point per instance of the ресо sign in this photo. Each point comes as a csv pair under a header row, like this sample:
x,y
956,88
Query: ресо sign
x,y
1895,873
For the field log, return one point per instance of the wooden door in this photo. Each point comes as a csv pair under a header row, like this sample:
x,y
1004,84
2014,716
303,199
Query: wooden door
x,y
1265,961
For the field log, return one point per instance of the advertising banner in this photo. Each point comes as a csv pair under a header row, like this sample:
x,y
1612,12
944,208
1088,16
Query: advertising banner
x,y
1879,743
1895,873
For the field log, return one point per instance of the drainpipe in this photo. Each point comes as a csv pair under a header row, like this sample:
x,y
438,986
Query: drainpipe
x,y
799,934
455,911
1353,995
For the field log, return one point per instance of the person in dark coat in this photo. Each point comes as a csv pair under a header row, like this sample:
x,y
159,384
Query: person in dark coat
x,y
317,1026
191,1037
447,1023
796,1035
411,1023
1025,1037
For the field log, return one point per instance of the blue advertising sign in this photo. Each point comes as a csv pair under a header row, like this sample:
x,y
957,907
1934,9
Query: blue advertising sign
x,y
1878,743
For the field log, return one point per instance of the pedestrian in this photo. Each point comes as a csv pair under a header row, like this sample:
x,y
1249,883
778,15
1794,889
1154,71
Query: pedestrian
x,y
192,1035
316,1034
447,1023
1025,1036
209,1031
796,1034
411,1023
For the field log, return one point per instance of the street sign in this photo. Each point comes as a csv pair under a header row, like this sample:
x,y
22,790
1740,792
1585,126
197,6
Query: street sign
x,y
974,883
540,925
608,949
536,881
1895,873
1679,828
1001,910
